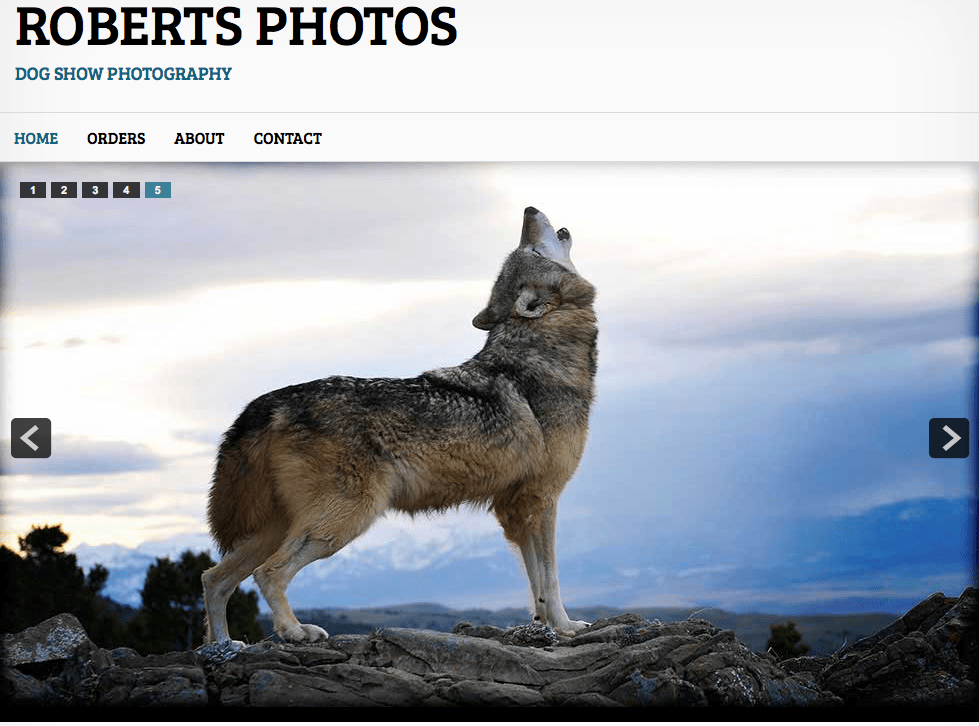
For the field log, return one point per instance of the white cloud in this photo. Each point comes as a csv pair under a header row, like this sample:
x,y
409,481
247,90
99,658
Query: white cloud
x,y
79,455
899,489
110,390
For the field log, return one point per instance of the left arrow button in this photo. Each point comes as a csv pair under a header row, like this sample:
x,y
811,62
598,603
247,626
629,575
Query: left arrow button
x,y
26,438
30,438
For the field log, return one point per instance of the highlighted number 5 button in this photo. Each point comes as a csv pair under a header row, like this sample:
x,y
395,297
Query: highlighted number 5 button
x,y
157,190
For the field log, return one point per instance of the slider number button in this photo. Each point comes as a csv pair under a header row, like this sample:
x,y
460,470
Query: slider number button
x,y
157,190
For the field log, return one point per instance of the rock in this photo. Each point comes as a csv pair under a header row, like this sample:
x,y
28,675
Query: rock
x,y
488,693
535,634
56,638
591,700
797,692
125,656
926,657
163,660
556,664
690,667
805,664
215,653
624,619
603,680
80,673
663,688
903,665
352,645
422,651
314,656
926,612
618,633
236,695
957,628
176,685
20,689
271,688
52,663
338,685
478,631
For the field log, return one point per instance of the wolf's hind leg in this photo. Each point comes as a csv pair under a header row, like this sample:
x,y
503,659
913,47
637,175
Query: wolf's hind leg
x,y
306,543
221,580
274,576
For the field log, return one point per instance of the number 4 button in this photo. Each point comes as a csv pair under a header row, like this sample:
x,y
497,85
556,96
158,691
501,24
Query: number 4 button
x,y
125,190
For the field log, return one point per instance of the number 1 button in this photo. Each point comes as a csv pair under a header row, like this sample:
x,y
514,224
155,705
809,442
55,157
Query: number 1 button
x,y
125,190
33,190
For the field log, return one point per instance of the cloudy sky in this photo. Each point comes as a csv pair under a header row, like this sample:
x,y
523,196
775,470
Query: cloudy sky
x,y
773,341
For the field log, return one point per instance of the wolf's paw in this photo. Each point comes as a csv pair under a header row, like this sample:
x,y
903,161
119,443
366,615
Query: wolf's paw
x,y
571,627
302,633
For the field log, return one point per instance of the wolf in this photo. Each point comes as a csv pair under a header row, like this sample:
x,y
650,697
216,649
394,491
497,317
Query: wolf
x,y
307,468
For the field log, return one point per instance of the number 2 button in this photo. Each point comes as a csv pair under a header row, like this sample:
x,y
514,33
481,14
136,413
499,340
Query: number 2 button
x,y
64,190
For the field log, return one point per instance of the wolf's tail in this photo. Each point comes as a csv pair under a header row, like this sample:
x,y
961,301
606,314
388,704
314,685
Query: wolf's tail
x,y
243,500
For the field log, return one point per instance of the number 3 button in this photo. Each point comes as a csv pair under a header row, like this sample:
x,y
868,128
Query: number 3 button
x,y
95,190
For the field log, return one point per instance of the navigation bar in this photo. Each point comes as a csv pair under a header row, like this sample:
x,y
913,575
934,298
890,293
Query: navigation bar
x,y
398,137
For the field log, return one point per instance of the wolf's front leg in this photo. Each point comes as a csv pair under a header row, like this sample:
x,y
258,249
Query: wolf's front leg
x,y
530,561
549,603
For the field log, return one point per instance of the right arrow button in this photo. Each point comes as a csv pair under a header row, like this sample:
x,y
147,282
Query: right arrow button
x,y
948,438
955,438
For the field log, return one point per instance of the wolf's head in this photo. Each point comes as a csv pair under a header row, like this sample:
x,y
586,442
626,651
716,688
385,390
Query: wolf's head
x,y
537,277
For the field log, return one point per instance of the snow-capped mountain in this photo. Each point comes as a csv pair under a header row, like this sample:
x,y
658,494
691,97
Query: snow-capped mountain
x,y
836,565
364,573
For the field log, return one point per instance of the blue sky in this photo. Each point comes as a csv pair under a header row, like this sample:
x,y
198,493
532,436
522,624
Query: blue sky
x,y
773,341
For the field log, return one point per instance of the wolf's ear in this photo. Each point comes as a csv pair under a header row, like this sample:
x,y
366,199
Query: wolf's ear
x,y
485,320
530,303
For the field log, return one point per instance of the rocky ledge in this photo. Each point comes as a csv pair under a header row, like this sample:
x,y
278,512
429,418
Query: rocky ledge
x,y
927,657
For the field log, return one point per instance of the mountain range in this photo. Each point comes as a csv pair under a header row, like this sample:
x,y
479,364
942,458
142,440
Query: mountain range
x,y
840,565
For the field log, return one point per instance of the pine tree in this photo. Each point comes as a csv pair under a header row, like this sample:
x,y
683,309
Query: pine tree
x,y
172,613
784,641
46,581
